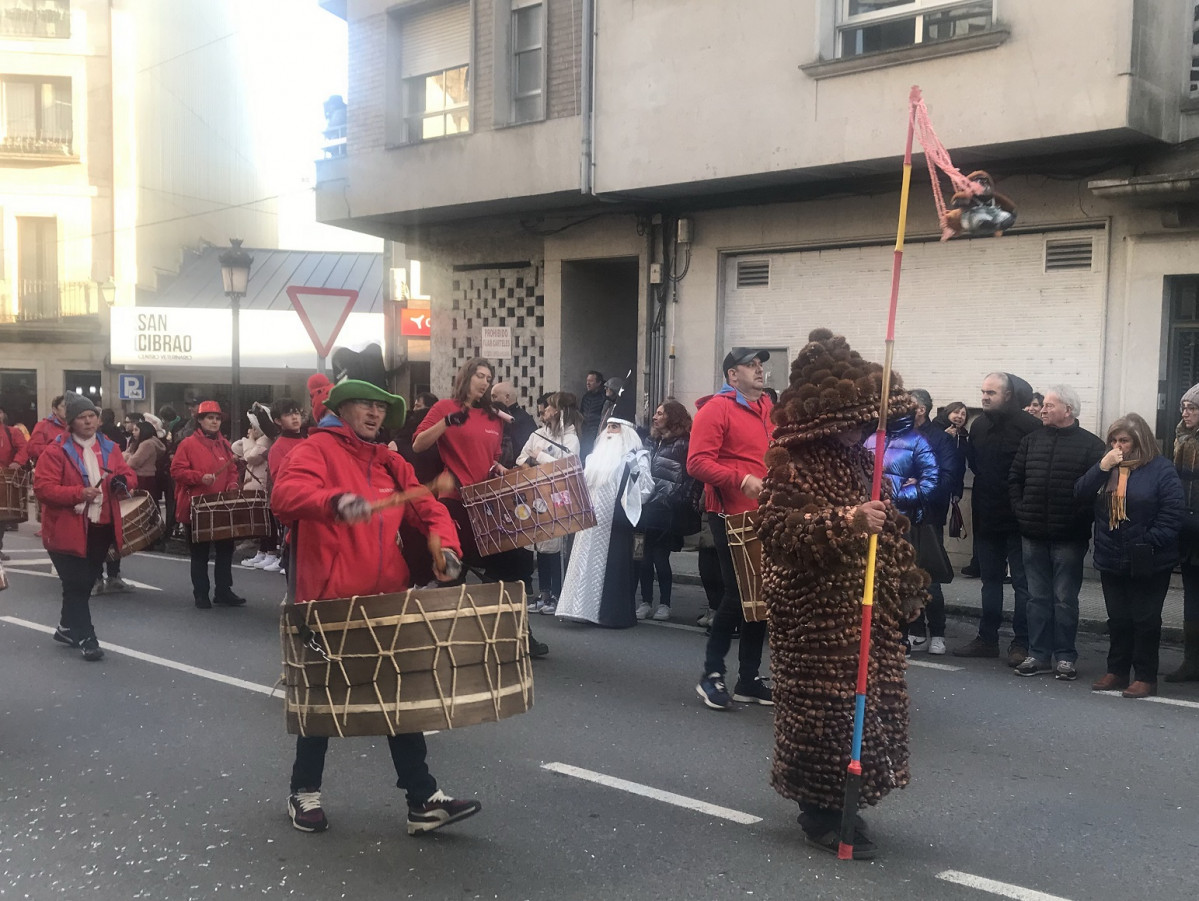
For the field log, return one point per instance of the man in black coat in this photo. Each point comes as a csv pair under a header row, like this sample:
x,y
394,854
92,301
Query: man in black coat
x,y
1055,529
520,424
994,439
591,407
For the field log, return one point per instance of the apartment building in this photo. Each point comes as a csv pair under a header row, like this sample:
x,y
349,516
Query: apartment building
x,y
629,185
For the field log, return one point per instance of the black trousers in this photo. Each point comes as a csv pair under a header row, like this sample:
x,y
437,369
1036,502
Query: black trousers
x,y
1134,623
710,575
934,612
223,571
408,752
549,573
78,576
658,545
729,616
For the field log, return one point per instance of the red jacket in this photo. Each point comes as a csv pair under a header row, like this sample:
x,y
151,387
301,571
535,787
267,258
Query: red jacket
x,y
195,457
59,481
729,439
44,434
336,560
280,451
12,445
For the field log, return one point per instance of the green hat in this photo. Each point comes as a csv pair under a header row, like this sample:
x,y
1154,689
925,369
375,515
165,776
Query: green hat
x,y
353,389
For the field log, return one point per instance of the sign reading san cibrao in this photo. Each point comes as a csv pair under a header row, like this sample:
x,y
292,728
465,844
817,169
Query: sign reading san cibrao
x,y
168,336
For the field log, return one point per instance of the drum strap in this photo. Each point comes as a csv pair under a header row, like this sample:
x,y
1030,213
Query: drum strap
x,y
295,615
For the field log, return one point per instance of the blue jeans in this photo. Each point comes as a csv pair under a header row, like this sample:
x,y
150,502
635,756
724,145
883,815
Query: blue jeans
x,y
1054,570
996,555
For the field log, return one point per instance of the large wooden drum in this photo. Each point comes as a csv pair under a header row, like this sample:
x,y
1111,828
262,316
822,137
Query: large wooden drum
x,y
529,505
14,495
746,549
437,658
141,524
230,514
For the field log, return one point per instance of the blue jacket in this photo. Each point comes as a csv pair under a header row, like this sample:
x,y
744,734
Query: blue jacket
x,y
1155,509
951,472
908,456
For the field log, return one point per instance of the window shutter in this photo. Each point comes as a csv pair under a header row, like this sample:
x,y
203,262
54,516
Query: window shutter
x,y
435,39
1068,253
753,273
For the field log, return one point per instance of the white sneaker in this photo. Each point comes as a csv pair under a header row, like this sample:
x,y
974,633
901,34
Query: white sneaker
x,y
643,611
662,613
253,562
266,561
917,642
936,646
705,618
272,565
536,606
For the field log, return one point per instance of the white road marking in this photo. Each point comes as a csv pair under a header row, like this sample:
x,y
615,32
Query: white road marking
x,y
928,664
662,624
1175,702
1003,889
657,794
39,550
160,661
138,585
50,575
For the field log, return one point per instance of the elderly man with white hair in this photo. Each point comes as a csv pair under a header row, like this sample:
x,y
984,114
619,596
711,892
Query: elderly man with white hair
x,y
1055,530
600,579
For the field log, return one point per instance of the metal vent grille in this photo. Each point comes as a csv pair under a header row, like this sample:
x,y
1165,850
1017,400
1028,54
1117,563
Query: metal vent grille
x,y
753,273
1068,253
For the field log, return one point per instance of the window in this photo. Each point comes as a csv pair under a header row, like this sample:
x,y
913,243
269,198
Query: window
x,y
438,104
528,61
434,68
873,26
1194,81
36,115
35,18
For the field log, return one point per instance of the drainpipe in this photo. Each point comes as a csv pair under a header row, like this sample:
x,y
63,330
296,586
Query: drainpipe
x,y
587,79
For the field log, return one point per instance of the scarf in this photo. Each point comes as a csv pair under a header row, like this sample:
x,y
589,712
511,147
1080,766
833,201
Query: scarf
x,y
1117,493
93,477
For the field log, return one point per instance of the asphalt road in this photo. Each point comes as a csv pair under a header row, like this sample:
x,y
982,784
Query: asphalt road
x,y
133,778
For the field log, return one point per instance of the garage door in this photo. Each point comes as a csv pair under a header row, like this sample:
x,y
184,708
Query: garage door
x,y
1030,304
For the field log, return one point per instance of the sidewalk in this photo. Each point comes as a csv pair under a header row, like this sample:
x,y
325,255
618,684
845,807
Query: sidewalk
x,y
962,595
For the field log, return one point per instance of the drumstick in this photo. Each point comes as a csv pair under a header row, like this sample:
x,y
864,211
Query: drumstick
x,y
403,497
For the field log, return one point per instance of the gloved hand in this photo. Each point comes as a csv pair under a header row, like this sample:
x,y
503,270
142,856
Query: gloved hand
x,y
452,565
119,483
458,418
353,509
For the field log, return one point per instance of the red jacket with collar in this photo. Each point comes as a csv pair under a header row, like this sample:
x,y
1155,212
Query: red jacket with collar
x,y
45,433
12,443
58,483
729,439
336,560
280,451
195,457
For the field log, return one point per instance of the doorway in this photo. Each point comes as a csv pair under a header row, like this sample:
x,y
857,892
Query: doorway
x,y
1182,353
599,325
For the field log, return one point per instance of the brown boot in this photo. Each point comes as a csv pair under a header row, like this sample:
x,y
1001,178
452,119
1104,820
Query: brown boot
x,y
1110,682
1140,690
1189,671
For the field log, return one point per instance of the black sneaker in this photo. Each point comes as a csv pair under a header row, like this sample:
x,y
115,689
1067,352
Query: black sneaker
x,y
977,648
227,598
1031,666
538,649
304,808
713,693
440,810
202,602
63,636
970,571
91,649
755,692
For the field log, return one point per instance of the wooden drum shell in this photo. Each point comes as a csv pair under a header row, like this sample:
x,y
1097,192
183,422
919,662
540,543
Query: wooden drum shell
x,y
746,549
230,514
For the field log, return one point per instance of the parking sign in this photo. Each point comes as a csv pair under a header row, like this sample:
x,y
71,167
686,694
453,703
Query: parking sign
x,y
132,386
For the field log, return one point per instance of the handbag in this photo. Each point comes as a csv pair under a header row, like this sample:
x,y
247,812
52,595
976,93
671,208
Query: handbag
x,y
930,554
638,546
957,523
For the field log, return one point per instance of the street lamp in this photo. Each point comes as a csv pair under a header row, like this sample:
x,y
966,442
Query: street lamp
x,y
235,274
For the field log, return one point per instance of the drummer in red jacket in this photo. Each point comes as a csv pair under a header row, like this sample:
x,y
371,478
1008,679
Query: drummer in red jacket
x,y
341,548
75,480
204,464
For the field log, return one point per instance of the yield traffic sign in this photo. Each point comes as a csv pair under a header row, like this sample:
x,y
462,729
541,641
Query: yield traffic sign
x,y
323,311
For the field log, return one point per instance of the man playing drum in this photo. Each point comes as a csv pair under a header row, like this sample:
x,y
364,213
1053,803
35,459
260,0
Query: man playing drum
x,y
75,481
344,544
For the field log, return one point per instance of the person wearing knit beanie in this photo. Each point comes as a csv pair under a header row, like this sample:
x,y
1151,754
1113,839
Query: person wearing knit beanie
x,y
816,521
77,405
319,387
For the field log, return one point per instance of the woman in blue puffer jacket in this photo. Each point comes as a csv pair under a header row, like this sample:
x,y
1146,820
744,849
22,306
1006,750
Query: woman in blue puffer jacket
x,y
910,465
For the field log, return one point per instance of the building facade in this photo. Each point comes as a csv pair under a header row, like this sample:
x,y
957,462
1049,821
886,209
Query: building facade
x,y
672,178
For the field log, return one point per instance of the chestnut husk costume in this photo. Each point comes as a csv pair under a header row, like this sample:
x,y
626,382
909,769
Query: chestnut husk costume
x,y
814,550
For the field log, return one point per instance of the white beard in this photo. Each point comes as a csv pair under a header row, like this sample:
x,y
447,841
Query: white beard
x,y
609,456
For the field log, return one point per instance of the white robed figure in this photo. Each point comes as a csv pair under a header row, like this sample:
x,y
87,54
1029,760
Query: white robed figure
x,y
600,579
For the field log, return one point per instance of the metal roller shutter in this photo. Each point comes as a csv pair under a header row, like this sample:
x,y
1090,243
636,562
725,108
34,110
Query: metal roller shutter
x,y
435,38
966,307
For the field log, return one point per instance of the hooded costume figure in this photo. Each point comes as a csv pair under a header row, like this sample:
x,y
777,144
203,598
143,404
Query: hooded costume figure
x,y
814,549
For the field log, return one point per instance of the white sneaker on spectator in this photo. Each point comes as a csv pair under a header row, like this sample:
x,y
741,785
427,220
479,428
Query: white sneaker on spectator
x,y
643,611
662,613
272,565
266,561
252,562
936,646
917,642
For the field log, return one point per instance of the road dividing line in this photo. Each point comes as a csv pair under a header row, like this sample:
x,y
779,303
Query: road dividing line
x,y
29,572
34,572
661,624
1003,889
159,661
1174,702
928,664
725,813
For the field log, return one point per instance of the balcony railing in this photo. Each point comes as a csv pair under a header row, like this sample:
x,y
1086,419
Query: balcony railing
x,y
41,300
37,146
42,21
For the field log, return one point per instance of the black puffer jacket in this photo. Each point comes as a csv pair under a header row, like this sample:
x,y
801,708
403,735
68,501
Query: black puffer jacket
x,y
1041,482
994,439
673,504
